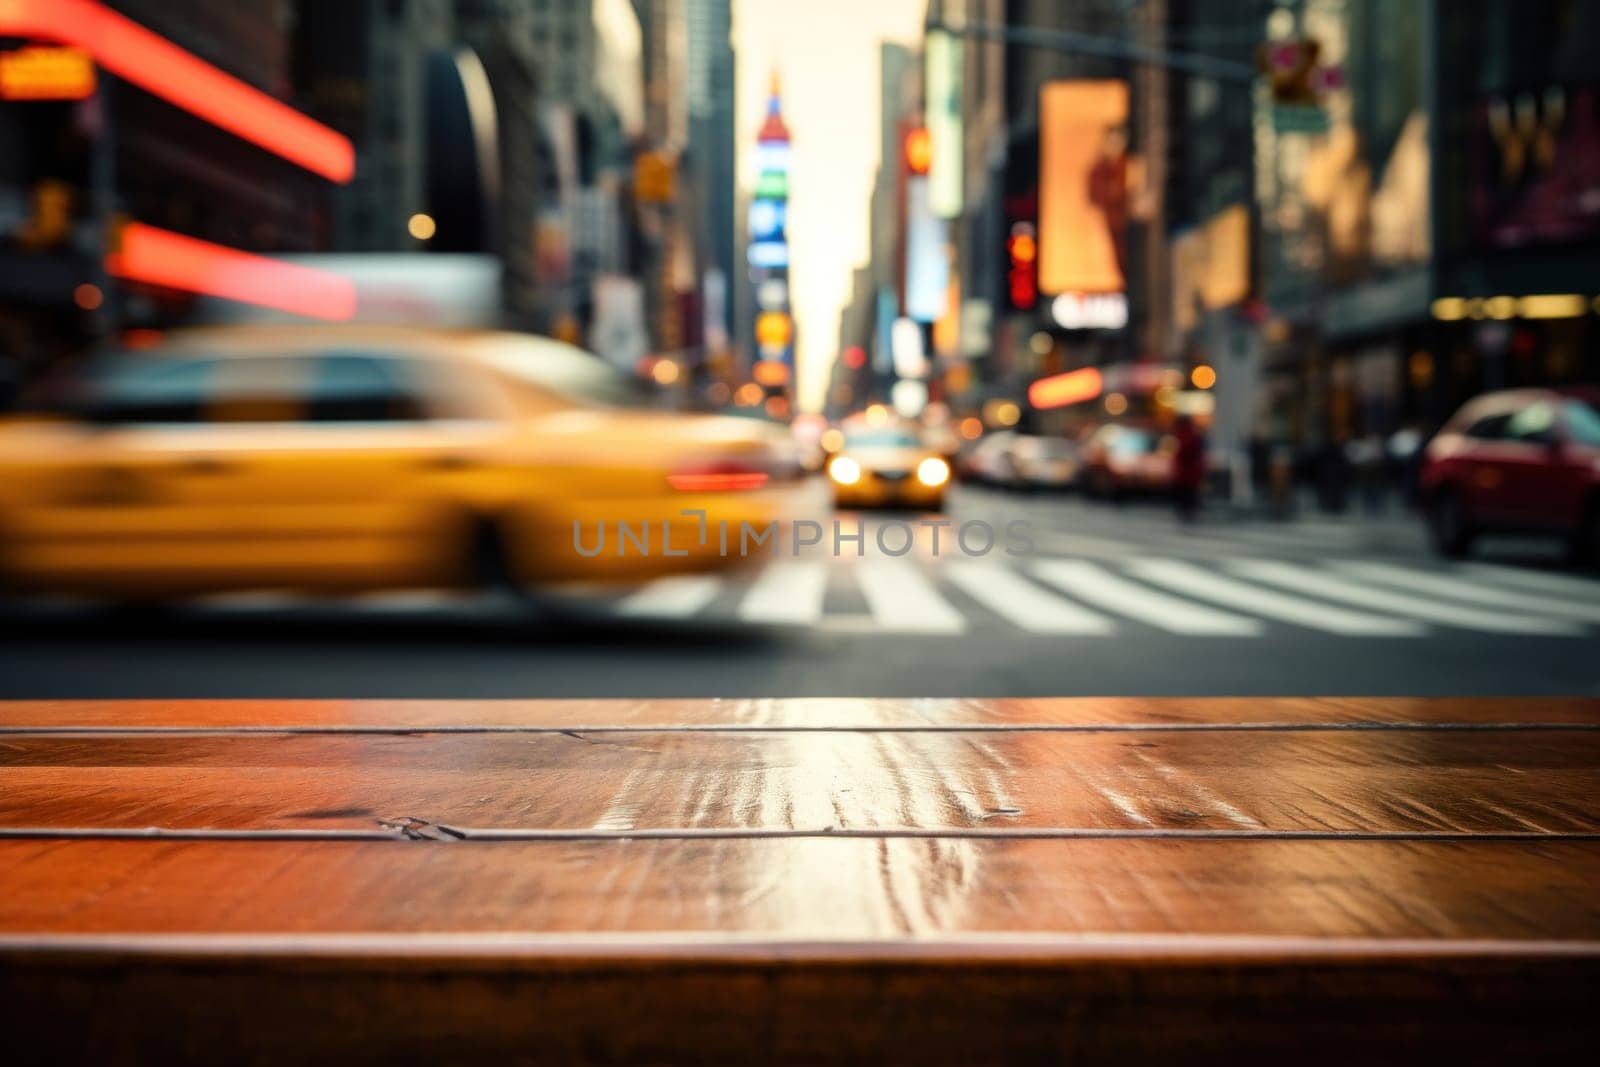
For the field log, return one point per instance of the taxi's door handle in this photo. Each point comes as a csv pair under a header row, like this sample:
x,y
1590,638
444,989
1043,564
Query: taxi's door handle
x,y
206,465
449,461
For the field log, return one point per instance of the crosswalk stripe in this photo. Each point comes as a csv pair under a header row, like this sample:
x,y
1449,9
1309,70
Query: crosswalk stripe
x,y
1014,598
902,599
1333,587
1587,588
1464,589
787,593
676,597
1086,581
1193,581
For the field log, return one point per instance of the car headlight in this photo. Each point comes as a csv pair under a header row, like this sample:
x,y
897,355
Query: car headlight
x,y
844,470
933,472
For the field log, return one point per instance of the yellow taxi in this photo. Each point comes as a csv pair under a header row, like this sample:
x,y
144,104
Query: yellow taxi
x,y
887,466
361,458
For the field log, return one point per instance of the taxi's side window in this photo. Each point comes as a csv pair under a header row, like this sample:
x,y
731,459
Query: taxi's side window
x,y
255,389
187,391
355,387
160,392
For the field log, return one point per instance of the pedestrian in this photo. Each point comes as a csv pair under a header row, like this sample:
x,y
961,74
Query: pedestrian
x,y
1189,468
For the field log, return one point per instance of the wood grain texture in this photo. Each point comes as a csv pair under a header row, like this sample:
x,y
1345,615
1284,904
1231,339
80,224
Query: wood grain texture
x,y
1545,781
810,887
799,713
1002,928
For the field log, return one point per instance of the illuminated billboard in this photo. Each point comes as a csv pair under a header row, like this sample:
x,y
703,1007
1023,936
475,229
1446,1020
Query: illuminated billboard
x,y
927,257
1083,186
1211,266
40,72
942,116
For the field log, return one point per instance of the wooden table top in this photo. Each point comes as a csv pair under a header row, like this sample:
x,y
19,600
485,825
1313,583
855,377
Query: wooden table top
x,y
872,831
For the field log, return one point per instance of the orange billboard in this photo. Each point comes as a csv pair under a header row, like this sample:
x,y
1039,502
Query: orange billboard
x,y
1083,186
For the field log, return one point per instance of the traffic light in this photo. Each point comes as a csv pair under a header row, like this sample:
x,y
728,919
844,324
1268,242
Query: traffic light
x,y
919,151
1022,280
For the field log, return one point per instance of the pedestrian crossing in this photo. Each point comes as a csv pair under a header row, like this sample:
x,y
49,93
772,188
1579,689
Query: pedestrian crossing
x,y
1190,579
901,597
1026,604
1109,592
786,594
1476,591
1097,598
1330,585
1069,528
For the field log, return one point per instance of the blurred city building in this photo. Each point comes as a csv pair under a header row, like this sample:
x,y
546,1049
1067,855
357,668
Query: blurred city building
x,y
183,123
712,160
1516,195
362,67
1336,219
585,147
1343,217
863,372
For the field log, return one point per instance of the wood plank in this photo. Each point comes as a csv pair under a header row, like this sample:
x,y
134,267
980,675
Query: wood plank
x,y
810,888
903,922
960,1006
797,713
1535,781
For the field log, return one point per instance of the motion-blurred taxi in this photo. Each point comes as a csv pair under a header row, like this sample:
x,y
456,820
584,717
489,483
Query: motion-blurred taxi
x,y
321,459
887,466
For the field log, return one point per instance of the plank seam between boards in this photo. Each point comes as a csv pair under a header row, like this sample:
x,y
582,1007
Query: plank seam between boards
x,y
452,834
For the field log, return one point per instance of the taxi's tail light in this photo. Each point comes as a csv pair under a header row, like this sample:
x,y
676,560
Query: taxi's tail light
x,y
719,476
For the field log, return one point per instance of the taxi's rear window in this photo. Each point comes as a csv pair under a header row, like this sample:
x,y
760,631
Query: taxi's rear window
x,y
883,439
328,387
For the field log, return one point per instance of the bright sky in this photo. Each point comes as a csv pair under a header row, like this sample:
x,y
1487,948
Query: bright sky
x,y
826,52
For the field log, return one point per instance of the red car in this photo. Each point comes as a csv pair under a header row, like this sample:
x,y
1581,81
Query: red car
x,y
1524,461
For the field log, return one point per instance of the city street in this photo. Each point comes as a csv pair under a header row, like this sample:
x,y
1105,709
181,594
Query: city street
x,y
682,531
1114,600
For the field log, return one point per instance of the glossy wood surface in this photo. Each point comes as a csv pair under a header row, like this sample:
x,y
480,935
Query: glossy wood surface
x,y
1536,781
799,713
811,888
715,880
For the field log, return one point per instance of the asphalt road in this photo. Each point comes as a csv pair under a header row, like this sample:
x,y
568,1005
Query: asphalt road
x,y
1113,600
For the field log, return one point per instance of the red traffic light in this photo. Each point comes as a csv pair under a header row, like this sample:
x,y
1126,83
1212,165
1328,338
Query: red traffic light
x,y
919,151
1023,249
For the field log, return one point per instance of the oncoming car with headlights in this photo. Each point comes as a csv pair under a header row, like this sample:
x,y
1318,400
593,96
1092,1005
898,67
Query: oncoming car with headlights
x,y
887,466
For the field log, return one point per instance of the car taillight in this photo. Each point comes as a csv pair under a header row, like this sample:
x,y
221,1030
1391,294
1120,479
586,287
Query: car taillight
x,y
718,476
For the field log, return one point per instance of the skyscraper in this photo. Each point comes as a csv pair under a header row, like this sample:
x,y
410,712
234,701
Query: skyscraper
x,y
711,156
768,252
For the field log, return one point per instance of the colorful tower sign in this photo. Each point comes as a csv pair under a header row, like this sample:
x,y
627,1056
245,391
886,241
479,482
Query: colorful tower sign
x,y
768,252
